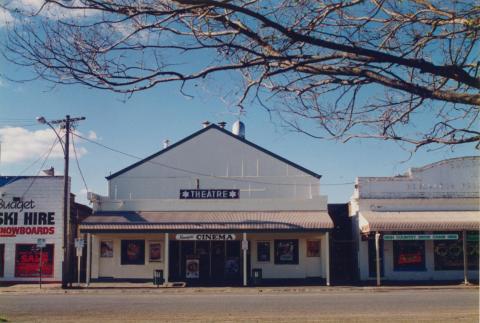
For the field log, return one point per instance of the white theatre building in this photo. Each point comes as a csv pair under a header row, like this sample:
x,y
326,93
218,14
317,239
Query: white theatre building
x,y
210,209
422,225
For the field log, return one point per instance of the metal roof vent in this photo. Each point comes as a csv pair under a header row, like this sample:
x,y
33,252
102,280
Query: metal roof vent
x,y
222,124
238,129
206,123
166,143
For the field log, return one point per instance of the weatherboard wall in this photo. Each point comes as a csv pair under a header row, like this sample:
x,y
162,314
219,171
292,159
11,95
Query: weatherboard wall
x,y
216,160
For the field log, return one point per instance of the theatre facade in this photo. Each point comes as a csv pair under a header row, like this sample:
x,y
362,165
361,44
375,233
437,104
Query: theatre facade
x,y
213,208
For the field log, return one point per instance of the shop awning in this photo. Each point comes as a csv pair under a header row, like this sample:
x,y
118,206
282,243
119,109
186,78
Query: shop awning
x,y
207,221
420,221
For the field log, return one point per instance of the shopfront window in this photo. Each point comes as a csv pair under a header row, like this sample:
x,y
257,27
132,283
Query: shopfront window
x,y
448,254
28,258
286,252
408,255
2,259
133,252
263,251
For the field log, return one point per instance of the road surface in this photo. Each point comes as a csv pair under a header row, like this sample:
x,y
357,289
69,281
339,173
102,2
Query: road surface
x,y
351,305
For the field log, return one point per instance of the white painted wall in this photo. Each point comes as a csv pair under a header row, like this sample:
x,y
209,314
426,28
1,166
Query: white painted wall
x,y
47,193
307,266
232,163
112,267
449,185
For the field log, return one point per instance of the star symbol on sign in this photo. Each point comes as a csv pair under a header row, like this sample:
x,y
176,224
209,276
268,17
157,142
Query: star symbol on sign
x,y
185,194
233,194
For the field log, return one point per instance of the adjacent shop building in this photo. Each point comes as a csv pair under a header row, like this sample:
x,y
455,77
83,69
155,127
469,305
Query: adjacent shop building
x,y
213,208
420,226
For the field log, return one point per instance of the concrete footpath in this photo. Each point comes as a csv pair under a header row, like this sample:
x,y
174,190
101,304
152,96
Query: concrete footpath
x,y
148,288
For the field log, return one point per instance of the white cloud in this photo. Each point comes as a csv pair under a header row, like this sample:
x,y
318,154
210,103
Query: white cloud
x,y
92,135
5,17
20,144
49,10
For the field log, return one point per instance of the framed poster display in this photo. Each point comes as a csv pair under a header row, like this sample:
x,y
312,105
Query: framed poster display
x,y
192,268
133,252
286,252
313,248
155,251
27,260
106,249
263,251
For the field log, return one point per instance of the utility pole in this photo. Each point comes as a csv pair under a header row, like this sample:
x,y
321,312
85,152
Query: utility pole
x,y
67,235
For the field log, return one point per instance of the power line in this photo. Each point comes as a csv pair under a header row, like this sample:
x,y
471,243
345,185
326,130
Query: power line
x,y
28,167
199,173
78,164
40,169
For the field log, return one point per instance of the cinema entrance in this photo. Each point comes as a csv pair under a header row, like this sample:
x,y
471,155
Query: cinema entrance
x,y
206,259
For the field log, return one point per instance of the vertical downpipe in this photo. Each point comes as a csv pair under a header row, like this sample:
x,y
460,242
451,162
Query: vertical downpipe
x,y
465,258
377,256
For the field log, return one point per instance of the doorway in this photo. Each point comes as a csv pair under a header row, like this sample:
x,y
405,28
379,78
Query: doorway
x,y
206,262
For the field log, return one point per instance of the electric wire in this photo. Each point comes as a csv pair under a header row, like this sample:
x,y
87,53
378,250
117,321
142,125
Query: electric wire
x,y
78,163
199,173
13,179
41,168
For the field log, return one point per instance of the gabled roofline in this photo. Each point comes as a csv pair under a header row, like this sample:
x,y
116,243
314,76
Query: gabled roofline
x,y
195,134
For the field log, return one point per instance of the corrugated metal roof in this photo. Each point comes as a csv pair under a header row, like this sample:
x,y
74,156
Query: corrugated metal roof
x,y
271,220
421,221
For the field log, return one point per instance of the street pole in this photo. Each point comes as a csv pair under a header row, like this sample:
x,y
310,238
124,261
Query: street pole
x,y
67,259
66,217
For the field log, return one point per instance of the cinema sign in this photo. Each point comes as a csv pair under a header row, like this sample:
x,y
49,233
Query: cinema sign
x,y
206,236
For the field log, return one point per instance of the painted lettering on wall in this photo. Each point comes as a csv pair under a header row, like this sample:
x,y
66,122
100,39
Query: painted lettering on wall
x,y
209,194
205,236
13,221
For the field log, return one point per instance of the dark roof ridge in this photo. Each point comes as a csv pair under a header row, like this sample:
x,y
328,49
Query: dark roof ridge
x,y
199,132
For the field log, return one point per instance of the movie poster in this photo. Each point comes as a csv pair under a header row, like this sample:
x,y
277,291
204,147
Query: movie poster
x,y
155,251
133,252
286,251
27,260
263,251
106,249
313,248
192,269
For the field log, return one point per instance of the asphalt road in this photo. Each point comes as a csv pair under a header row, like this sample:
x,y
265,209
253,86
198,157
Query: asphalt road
x,y
440,305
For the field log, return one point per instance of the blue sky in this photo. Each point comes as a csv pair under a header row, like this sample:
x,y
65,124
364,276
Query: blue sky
x,y
140,124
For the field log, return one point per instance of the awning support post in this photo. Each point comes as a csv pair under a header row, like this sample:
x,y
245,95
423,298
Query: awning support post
x,y
327,258
465,258
167,256
89,259
244,250
377,257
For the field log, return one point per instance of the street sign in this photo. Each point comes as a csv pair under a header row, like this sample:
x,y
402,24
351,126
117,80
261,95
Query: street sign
x,y
244,245
41,243
79,243
420,237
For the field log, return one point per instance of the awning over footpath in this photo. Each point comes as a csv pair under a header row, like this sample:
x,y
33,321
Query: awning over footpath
x,y
420,221
207,221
